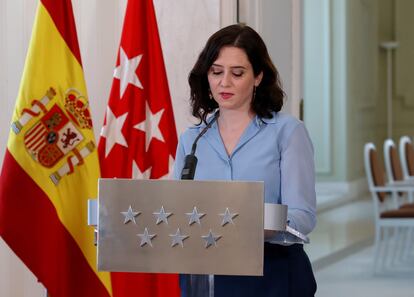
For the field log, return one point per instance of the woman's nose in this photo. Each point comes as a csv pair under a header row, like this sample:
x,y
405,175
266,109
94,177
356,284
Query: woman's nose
x,y
226,79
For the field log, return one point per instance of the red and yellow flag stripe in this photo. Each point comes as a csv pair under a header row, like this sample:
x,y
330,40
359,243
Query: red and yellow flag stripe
x,y
46,223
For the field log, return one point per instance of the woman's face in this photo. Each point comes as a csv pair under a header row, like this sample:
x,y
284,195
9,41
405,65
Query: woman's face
x,y
232,80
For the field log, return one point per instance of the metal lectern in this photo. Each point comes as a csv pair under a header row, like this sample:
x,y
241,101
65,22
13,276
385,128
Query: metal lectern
x,y
183,226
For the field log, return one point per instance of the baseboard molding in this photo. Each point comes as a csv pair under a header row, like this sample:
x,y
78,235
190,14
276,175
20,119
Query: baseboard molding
x,y
334,194
341,254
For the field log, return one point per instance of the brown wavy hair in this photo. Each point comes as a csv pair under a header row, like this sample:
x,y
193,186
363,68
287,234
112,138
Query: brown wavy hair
x,y
269,94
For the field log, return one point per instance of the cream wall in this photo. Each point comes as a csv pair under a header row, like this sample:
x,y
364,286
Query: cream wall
x,y
345,80
345,85
371,23
279,23
281,28
184,26
403,105
368,26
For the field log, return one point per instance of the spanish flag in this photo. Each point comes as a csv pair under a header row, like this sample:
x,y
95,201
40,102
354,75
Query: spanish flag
x,y
51,167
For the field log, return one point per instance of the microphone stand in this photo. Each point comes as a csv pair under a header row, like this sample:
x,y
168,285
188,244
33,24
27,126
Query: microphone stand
x,y
190,161
197,285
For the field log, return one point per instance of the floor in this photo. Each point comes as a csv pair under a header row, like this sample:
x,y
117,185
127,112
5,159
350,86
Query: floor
x,y
352,276
341,228
342,255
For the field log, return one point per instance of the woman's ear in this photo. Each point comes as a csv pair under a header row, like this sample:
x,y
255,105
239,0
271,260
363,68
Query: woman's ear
x,y
258,79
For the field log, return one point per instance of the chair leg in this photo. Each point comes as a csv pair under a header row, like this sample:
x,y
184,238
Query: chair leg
x,y
409,244
398,244
377,249
394,245
403,245
386,247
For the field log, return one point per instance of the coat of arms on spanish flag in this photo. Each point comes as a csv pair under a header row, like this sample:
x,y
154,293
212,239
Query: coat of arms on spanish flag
x,y
51,166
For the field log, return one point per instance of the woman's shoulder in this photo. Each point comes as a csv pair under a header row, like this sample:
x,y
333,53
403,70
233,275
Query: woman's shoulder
x,y
190,132
284,125
282,120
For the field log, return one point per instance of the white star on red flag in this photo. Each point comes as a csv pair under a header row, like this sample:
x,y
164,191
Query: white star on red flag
x,y
150,126
140,107
126,72
112,131
138,174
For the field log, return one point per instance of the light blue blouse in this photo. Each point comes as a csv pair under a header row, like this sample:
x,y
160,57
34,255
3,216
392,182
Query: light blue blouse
x,y
277,151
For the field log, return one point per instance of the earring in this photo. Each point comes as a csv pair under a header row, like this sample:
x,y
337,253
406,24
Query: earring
x,y
210,95
254,93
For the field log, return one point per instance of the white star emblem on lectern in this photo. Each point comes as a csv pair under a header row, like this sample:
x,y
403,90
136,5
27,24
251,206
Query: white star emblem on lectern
x,y
177,238
146,238
162,216
211,239
195,216
130,215
228,217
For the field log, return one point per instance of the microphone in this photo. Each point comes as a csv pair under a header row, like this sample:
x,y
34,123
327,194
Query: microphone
x,y
190,161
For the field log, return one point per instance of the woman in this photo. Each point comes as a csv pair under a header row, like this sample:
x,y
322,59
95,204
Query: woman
x,y
235,87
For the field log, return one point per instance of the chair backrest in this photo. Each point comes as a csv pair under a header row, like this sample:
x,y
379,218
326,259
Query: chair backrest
x,y
374,171
406,156
392,162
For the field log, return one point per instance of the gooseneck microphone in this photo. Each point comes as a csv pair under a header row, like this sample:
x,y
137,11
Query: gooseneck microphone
x,y
190,161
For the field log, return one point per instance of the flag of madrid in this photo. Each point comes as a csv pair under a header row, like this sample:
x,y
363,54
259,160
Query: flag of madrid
x,y
139,138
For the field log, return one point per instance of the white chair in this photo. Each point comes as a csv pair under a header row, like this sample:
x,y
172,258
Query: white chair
x,y
406,150
394,172
407,157
388,216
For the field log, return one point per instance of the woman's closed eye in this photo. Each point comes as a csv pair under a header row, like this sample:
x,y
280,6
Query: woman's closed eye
x,y
238,73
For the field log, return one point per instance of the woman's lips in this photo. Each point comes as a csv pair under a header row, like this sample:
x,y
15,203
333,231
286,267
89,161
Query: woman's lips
x,y
226,95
